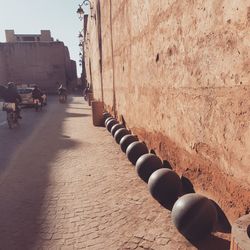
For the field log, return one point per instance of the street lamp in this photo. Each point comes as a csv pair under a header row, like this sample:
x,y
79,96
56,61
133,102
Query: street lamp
x,y
80,11
80,35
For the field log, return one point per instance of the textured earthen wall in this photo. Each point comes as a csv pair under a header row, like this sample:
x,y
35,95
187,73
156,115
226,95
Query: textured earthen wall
x,y
178,72
35,63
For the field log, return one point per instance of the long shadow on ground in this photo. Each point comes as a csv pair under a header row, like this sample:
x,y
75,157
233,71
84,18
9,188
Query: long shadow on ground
x,y
23,184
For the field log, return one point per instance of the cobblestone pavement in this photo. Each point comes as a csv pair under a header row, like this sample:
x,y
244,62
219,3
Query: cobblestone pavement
x,y
69,186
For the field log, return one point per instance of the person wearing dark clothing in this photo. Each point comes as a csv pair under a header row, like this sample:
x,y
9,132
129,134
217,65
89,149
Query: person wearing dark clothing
x,y
11,95
86,92
62,92
37,94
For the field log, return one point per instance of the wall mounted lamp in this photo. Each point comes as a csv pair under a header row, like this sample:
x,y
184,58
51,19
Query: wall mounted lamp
x,y
80,35
80,11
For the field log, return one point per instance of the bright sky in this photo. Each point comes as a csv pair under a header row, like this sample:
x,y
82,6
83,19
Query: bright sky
x,y
32,16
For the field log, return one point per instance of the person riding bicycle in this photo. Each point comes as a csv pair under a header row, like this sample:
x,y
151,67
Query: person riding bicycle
x,y
62,91
11,95
37,94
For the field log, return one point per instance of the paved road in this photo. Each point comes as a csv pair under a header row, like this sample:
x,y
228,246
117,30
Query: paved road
x,y
11,140
66,184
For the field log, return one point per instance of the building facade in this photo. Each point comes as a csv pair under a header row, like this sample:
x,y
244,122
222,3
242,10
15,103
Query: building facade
x,y
11,37
36,59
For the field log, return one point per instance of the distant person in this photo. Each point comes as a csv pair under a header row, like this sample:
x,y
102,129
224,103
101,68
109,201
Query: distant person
x,y
86,92
11,95
37,94
62,92
44,96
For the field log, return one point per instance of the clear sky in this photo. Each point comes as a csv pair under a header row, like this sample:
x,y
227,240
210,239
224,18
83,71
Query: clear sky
x,y
32,16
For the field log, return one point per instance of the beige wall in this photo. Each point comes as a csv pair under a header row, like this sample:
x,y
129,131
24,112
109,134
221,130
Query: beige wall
x,y
46,36
11,37
36,63
178,72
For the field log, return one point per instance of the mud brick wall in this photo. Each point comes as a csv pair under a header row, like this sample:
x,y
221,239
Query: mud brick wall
x,y
42,63
178,72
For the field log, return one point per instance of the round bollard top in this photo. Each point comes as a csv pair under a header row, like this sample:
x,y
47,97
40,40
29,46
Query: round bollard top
x,y
135,150
108,119
106,115
146,165
111,123
194,216
165,186
120,133
126,141
116,127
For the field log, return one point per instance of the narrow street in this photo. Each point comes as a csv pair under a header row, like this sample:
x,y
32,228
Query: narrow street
x,y
65,184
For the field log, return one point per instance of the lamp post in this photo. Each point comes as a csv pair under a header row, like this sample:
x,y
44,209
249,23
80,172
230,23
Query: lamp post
x,y
82,37
82,60
80,11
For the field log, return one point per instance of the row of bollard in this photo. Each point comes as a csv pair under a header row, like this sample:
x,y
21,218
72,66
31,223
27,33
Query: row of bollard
x,y
194,215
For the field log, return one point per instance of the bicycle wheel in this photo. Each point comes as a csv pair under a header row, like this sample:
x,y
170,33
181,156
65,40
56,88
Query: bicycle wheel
x,y
10,120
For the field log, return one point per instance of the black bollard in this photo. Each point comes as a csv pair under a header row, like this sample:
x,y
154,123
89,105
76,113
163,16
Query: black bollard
x,y
146,165
135,150
165,186
106,115
194,216
108,119
116,127
120,133
111,123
